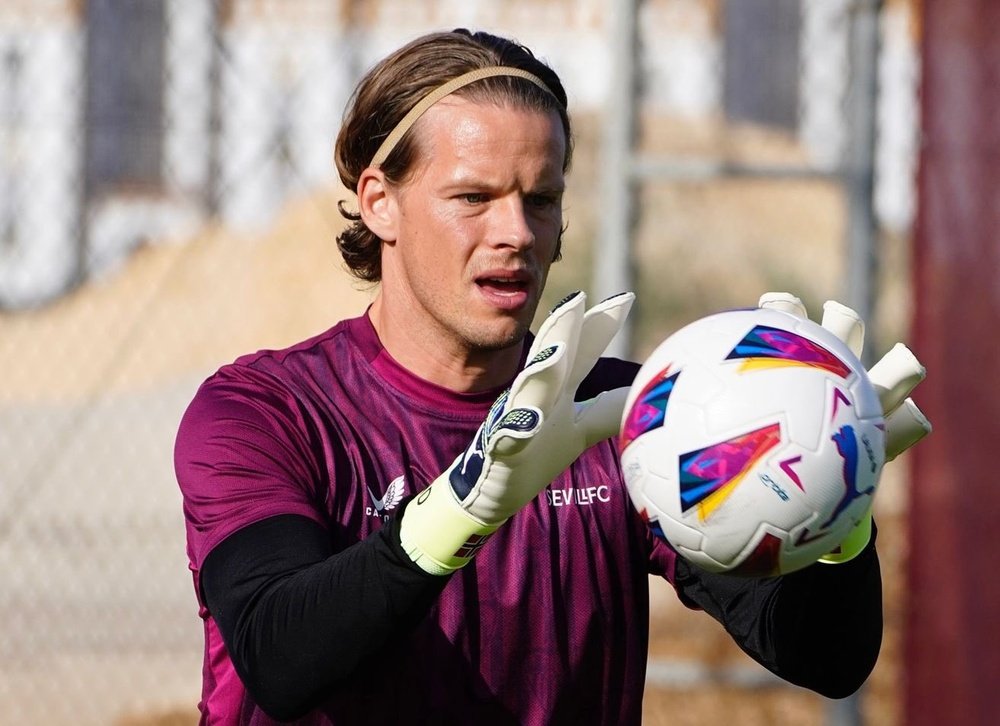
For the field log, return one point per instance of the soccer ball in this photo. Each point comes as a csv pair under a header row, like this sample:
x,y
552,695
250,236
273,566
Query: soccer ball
x,y
752,442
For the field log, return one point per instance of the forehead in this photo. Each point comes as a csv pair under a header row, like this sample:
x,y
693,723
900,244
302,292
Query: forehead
x,y
457,130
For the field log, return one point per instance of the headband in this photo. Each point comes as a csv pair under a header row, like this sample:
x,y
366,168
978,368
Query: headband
x,y
440,92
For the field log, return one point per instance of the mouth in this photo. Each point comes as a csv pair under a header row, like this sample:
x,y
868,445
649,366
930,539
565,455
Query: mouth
x,y
506,289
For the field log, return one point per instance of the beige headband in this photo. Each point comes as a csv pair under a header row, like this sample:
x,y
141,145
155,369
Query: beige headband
x,y
440,92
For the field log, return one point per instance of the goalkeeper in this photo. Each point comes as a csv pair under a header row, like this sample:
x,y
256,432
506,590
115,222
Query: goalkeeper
x,y
418,516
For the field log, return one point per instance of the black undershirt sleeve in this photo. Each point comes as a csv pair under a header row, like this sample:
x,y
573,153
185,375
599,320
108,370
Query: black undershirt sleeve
x,y
819,627
297,618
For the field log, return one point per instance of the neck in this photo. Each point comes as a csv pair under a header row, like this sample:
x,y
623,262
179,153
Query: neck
x,y
433,354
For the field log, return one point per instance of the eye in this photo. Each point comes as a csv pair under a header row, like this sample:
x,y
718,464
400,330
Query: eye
x,y
542,201
474,198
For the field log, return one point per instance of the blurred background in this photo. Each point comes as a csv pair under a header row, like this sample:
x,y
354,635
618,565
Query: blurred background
x,y
168,202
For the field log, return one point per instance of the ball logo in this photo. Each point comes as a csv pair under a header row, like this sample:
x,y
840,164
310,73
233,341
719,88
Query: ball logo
x,y
767,347
768,481
847,446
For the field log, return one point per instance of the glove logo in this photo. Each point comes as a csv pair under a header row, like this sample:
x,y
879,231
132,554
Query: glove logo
x,y
389,501
464,476
472,545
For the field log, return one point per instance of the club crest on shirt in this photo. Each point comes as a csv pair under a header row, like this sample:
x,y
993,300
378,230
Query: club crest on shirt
x,y
381,506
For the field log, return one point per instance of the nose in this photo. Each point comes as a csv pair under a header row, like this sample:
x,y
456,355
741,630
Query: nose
x,y
512,226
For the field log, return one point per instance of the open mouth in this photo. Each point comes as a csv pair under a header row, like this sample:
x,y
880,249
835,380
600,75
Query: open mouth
x,y
502,286
507,290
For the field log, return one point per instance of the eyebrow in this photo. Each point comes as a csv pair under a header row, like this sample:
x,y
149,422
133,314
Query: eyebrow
x,y
471,180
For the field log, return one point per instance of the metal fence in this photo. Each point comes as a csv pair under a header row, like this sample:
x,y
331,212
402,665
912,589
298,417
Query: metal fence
x,y
167,202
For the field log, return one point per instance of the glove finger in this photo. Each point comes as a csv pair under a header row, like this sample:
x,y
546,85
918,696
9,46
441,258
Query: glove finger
x,y
846,324
903,428
600,418
895,375
565,318
600,325
551,356
541,381
786,302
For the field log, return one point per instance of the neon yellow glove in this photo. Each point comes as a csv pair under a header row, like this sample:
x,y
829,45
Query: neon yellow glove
x,y
894,376
533,432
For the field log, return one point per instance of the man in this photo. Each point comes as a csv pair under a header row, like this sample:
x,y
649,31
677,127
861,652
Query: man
x,y
351,569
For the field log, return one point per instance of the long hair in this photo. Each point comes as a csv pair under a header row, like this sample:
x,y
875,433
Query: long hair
x,y
396,84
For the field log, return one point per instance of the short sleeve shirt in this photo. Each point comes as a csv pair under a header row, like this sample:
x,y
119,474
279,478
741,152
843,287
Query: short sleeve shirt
x,y
548,624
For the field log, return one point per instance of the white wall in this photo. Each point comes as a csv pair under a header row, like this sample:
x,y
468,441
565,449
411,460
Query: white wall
x,y
283,89
117,224
40,159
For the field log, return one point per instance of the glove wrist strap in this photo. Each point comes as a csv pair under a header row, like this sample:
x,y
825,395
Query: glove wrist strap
x,y
856,540
438,534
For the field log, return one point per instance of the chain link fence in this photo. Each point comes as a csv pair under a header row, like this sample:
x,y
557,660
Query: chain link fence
x,y
168,202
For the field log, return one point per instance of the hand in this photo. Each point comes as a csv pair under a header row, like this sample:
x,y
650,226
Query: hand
x,y
894,376
533,432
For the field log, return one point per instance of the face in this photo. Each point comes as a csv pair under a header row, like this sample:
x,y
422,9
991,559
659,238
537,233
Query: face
x,y
476,225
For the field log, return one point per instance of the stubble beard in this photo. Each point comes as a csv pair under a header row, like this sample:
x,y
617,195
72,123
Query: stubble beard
x,y
480,339
483,339
494,344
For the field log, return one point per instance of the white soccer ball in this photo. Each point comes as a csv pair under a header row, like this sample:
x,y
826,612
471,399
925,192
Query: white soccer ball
x,y
752,441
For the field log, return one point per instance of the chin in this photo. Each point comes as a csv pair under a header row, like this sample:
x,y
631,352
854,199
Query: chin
x,y
500,337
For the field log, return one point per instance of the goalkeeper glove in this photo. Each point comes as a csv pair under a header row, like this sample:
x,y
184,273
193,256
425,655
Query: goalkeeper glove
x,y
894,376
533,432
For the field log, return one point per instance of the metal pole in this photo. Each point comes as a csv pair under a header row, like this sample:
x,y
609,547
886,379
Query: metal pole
x,y
859,171
82,248
212,193
612,248
859,175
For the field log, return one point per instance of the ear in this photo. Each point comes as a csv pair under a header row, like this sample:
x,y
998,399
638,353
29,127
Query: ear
x,y
377,204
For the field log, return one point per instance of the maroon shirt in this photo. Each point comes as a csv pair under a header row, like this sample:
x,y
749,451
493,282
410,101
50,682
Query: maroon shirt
x,y
553,610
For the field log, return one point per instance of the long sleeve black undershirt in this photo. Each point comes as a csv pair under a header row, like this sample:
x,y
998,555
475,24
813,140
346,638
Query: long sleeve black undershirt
x,y
297,619
819,627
